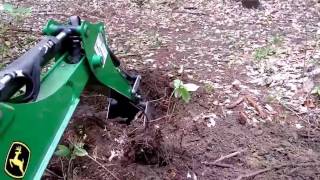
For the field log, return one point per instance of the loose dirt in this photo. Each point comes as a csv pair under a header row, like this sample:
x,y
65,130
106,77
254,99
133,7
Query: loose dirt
x,y
178,146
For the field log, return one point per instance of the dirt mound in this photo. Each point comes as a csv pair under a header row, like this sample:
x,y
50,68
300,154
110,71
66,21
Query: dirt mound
x,y
145,148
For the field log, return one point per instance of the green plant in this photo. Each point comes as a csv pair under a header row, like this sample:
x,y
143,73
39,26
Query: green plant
x,y
271,98
30,39
276,40
18,13
182,90
71,152
316,91
209,88
4,50
13,15
263,53
268,50
76,150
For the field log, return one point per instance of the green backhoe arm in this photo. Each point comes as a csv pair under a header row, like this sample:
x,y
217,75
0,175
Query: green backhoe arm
x,y
30,128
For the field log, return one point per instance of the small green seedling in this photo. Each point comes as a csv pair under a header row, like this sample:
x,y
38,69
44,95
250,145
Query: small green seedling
x,y
15,11
263,53
183,90
277,40
71,152
316,91
62,151
77,150
74,150
209,88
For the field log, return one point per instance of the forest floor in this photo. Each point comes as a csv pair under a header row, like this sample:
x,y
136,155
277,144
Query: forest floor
x,y
255,115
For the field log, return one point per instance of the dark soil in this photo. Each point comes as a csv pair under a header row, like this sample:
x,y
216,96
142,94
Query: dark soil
x,y
171,148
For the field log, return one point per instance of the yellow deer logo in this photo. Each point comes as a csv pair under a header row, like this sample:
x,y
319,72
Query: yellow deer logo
x,y
16,161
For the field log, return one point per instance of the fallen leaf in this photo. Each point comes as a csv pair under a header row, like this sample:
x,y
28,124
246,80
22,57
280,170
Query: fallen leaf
x,y
299,126
191,87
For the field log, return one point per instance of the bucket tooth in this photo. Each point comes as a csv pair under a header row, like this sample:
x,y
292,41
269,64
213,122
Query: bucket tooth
x,y
136,85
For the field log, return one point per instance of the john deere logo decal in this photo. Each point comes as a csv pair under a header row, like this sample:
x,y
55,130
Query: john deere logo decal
x,y
17,160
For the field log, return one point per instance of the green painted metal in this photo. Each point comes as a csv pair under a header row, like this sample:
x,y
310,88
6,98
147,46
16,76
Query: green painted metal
x,y
105,71
107,74
40,124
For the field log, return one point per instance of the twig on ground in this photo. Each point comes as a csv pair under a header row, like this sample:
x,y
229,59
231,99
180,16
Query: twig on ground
x,y
131,132
155,100
101,165
108,109
162,117
223,165
124,55
252,174
14,29
52,13
169,113
297,114
216,162
229,156
173,108
70,164
54,174
235,103
127,55
169,102
62,169
184,12
193,13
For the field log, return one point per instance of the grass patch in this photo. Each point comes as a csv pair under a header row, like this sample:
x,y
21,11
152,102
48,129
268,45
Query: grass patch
x,y
268,50
263,53
277,40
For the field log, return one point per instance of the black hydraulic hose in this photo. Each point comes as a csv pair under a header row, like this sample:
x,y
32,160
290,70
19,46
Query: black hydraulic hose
x,y
25,71
39,54
75,49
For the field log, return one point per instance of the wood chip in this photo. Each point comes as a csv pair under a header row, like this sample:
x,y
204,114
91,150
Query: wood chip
x,y
235,103
258,108
243,118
